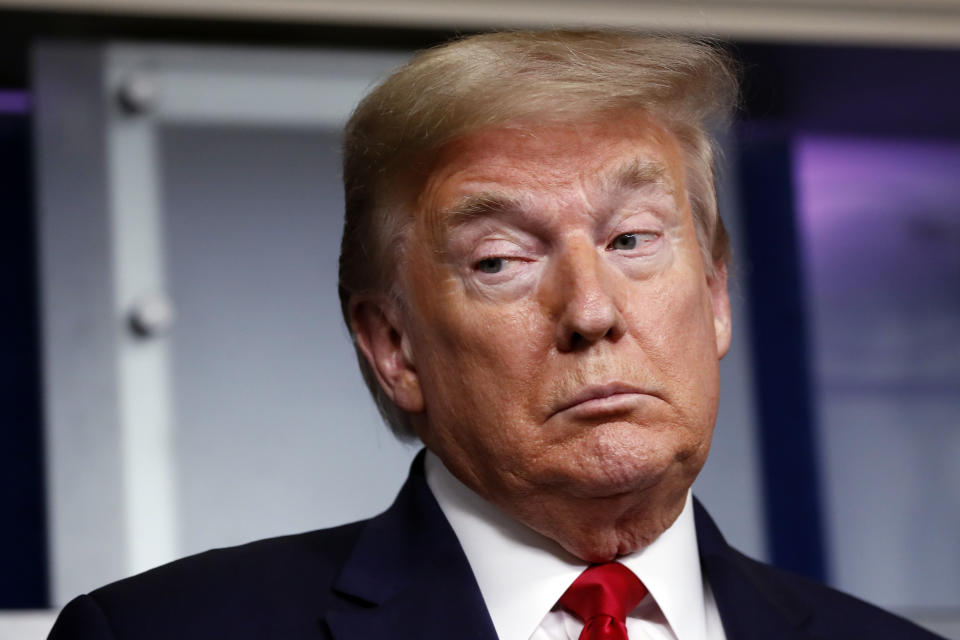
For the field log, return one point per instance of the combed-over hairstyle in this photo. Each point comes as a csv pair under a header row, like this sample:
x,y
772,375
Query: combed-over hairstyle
x,y
526,78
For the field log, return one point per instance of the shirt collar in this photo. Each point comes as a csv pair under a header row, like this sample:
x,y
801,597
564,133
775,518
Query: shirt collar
x,y
522,574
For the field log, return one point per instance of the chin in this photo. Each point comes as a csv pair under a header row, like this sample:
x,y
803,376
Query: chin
x,y
615,461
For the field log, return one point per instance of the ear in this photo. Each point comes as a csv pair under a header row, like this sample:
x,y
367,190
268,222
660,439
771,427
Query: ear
x,y
380,335
720,299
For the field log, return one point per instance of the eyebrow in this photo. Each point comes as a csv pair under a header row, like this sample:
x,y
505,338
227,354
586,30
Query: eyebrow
x,y
640,173
480,205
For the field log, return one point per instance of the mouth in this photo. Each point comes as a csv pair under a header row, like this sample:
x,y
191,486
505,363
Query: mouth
x,y
597,400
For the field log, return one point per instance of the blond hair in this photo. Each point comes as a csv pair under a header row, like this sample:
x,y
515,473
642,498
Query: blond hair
x,y
495,79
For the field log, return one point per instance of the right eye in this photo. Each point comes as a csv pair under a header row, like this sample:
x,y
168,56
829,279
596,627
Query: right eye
x,y
490,265
624,242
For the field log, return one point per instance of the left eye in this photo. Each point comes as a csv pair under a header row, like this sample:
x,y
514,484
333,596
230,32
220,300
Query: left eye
x,y
491,265
625,242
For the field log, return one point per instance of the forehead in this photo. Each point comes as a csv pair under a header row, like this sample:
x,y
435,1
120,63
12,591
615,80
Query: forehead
x,y
536,166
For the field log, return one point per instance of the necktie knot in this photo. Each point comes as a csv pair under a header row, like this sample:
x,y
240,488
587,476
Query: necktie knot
x,y
601,597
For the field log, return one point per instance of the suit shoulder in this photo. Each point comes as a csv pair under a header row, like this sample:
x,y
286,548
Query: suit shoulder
x,y
314,556
81,619
267,588
832,613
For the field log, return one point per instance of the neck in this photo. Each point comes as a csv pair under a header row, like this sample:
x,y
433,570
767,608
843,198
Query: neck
x,y
593,529
601,529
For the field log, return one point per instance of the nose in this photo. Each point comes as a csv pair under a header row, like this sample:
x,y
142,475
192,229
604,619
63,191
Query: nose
x,y
586,296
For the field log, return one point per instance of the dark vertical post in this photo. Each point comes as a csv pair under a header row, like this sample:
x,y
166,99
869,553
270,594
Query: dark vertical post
x,y
781,354
23,535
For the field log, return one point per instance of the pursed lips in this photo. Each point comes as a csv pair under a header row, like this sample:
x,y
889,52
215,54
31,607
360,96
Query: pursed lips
x,y
601,397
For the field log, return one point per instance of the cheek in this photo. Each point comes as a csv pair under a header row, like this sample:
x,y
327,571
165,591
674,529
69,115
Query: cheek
x,y
479,354
480,382
673,322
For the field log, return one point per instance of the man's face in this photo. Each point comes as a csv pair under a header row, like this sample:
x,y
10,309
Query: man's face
x,y
561,335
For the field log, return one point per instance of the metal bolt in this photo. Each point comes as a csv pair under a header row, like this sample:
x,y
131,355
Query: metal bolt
x,y
152,315
138,93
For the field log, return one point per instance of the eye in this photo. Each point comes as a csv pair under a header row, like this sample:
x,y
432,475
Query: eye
x,y
624,242
634,241
490,265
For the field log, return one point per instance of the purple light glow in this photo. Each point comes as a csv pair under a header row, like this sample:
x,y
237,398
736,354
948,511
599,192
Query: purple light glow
x,y
14,102
879,212
880,226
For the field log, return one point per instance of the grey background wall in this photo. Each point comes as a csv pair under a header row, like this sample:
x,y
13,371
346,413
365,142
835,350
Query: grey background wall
x,y
203,183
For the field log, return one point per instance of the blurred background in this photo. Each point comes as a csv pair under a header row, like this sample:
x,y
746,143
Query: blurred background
x,y
173,367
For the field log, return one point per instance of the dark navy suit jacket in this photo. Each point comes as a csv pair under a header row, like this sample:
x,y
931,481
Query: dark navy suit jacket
x,y
403,574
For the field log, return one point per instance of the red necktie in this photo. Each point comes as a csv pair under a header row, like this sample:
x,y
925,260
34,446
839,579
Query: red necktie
x,y
602,596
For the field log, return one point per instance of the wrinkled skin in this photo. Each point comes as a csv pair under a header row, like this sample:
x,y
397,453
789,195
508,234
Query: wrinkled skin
x,y
559,338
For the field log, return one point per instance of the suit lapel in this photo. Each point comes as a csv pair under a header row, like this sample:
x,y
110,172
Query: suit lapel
x,y
750,604
407,576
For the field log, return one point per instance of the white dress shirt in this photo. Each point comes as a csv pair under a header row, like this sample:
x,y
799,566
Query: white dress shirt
x,y
522,574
